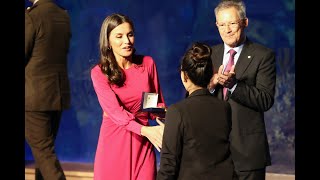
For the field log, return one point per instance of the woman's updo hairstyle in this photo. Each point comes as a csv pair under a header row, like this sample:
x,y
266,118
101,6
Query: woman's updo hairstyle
x,y
197,64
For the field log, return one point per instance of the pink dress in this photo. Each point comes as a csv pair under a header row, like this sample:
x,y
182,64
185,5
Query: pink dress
x,y
122,153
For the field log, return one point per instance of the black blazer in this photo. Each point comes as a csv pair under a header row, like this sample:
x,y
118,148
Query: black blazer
x,y
256,74
196,139
47,36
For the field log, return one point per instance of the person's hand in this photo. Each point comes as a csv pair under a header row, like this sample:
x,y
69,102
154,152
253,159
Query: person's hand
x,y
154,134
227,79
214,80
160,121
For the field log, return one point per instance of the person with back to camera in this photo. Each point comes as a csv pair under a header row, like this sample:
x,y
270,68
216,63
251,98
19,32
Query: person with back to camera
x,y
249,87
124,150
196,134
47,89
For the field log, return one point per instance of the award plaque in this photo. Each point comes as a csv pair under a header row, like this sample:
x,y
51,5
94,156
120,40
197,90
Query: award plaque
x,y
149,103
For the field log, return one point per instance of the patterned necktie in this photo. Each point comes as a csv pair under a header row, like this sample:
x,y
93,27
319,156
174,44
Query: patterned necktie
x,y
228,68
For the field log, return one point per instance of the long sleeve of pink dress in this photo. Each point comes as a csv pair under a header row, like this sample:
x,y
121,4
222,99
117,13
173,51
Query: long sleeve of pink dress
x,y
122,153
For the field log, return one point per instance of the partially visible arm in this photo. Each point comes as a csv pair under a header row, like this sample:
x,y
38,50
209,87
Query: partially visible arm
x,y
109,103
154,134
29,37
171,151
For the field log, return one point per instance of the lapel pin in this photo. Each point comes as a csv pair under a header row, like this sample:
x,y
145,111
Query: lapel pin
x,y
249,57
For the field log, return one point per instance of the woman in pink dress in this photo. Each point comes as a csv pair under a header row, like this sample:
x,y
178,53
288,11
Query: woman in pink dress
x,y
125,146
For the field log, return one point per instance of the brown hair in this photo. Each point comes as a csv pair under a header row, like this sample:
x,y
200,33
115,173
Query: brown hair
x,y
108,63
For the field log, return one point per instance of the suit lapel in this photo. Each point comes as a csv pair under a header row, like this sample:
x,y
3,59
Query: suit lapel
x,y
217,57
245,59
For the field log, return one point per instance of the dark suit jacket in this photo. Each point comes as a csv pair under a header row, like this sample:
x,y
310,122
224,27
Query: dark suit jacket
x,y
196,139
47,36
256,74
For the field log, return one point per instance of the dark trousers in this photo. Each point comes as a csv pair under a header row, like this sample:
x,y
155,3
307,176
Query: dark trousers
x,y
257,174
41,128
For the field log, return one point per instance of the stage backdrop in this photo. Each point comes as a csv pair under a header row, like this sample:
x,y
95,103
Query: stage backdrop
x,y
163,30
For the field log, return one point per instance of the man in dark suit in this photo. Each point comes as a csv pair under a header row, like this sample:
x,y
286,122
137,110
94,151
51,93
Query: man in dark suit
x,y
250,89
196,134
47,91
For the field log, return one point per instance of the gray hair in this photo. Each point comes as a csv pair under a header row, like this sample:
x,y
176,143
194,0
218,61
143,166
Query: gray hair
x,y
239,5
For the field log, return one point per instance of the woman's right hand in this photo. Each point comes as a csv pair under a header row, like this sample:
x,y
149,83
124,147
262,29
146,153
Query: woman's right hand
x,y
154,134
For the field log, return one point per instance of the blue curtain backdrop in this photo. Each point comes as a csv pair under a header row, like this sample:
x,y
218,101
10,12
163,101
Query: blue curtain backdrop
x,y
164,29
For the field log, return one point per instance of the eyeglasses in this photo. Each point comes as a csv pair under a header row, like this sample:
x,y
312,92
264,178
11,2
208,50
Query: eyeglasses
x,y
232,25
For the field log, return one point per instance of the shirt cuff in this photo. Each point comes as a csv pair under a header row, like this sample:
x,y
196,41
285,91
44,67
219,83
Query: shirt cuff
x,y
211,90
233,88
